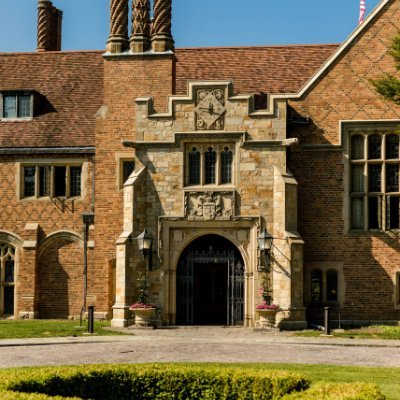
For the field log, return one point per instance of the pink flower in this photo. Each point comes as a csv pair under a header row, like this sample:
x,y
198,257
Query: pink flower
x,y
142,305
265,306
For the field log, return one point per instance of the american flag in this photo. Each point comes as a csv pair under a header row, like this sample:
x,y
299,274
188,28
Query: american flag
x,y
362,11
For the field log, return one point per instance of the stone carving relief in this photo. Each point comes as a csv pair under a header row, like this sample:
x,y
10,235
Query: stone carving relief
x,y
210,109
208,206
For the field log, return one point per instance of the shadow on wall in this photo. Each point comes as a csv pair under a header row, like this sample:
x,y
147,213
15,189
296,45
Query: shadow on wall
x,y
60,280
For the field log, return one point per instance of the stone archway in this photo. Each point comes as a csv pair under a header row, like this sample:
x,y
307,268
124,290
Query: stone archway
x,y
210,283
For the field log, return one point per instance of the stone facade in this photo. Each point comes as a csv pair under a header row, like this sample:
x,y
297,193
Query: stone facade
x,y
213,169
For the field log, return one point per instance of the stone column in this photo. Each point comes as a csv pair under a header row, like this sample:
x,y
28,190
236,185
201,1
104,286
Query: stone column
x,y
118,40
140,39
161,37
27,270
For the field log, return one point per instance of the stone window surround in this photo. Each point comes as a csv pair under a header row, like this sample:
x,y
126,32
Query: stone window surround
x,y
218,147
20,165
16,93
324,267
348,129
120,157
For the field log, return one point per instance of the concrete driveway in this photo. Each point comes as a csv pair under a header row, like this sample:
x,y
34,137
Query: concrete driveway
x,y
204,344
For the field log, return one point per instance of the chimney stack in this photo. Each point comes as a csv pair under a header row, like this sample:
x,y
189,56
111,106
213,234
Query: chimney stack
x,y
141,26
118,41
161,36
49,27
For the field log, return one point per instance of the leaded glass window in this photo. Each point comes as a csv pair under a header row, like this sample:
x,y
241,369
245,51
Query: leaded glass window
x,y
375,205
332,285
392,177
29,181
392,147
44,180
210,160
374,177
226,165
374,147
357,147
194,167
128,166
316,286
209,164
75,181
7,279
52,181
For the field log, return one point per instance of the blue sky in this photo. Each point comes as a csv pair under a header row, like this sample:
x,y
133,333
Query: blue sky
x,y
195,22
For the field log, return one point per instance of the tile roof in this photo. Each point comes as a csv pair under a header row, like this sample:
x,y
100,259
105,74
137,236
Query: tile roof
x,y
268,69
70,84
70,89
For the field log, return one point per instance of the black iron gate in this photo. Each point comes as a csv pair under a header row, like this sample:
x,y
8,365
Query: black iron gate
x,y
234,285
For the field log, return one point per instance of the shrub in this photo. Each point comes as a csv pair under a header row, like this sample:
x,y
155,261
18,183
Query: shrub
x,y
338,391
156,382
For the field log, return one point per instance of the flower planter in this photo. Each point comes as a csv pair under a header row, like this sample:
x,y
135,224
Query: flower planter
x,y
267,317
144,317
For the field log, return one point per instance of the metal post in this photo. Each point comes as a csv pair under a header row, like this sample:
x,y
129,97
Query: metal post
x,y
327,320
91,319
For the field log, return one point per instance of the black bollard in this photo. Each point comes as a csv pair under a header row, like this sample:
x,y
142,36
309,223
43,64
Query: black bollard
x,y
327,320
91,319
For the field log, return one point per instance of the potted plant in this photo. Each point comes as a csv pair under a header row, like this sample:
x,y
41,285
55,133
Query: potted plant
x,y
266,310
144,311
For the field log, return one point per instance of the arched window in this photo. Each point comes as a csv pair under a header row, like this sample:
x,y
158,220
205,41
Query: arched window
x,y
392,147
194,167
7,279
332,285
316,286
226,166
357,147
210,161
374,147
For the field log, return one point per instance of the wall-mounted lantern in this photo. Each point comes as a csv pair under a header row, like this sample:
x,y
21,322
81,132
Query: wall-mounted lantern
x,y
145,245
265,241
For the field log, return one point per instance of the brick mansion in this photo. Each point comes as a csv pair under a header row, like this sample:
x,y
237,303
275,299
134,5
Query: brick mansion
x,y
204,153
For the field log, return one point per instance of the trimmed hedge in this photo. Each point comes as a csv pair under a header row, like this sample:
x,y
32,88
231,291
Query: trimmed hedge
x,y
338,391
171,382
154,382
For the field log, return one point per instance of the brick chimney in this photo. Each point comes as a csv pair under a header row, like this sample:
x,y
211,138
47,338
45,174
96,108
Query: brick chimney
x,y
161,36
141,25
49,27
118,41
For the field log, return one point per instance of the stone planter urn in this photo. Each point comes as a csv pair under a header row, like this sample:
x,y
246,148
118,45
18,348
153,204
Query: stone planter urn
x,y
144,316
267,317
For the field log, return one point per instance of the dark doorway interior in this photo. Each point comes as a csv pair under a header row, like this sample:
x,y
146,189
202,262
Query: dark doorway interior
x,y
210,293
210,283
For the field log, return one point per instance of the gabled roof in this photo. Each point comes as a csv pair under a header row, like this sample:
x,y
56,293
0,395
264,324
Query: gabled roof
x,y
262,69
68,89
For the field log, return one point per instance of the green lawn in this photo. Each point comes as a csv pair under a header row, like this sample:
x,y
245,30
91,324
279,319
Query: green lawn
x,y
370,332
49,328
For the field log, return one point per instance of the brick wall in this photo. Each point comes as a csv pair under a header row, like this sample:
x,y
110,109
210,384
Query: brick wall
x,y
344,93
125,79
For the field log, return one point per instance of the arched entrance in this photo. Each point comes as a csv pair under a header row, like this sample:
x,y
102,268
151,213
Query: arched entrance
x,y
210,283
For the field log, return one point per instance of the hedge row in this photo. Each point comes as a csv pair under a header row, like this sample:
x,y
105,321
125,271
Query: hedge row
x,y
170,382
155,382
338,391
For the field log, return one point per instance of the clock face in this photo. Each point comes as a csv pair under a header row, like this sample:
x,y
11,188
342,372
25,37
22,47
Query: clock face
x,y
209,109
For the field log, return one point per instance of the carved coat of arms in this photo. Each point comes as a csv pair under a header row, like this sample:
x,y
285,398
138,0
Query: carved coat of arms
x,y
208,206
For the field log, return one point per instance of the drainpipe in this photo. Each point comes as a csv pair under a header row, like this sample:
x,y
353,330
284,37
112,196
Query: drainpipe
x,y
88,219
